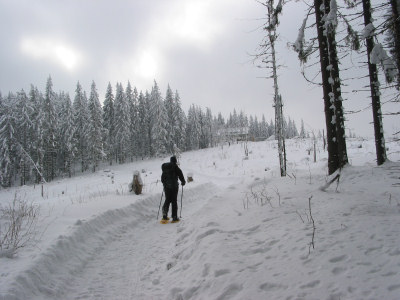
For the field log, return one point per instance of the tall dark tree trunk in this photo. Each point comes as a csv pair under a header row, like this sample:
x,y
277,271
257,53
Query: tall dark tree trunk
x,y
375,94
337,95
330,118
396,30
279,127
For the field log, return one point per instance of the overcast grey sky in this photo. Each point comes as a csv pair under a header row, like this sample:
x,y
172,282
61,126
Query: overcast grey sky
x,y
199,47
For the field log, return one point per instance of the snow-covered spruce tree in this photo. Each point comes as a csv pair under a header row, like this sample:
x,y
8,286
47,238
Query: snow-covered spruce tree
x,y
37,151
7,137
95,132
159,115
254,127
294,128
219,124
172,121
108,124
203,141
268,56
132,101
243,120
383,23
81,118
271,128
234,119
291,130
49,126
252,133
121,124
192,129
24,124
66,129
134,108
209,128
150,148
180,125
142,126
263,127
302,130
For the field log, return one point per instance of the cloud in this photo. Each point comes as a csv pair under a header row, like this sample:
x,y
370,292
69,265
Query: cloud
x,y
51,50
193,23
181,24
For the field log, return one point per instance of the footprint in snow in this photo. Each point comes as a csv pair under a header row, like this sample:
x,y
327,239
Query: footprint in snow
x,y
230,291
269,286
311,284
207,233
338,258
211,224
338,270
221,272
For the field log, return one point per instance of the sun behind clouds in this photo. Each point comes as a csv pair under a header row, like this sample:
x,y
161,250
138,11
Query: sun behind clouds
x,y
51,50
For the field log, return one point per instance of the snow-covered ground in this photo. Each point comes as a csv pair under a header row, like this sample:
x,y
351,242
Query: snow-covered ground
x,y
245,233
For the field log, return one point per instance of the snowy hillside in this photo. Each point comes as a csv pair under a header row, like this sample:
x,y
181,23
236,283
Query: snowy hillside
x,y
245,233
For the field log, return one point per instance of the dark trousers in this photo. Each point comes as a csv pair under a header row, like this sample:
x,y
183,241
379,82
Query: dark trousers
x,y
171,198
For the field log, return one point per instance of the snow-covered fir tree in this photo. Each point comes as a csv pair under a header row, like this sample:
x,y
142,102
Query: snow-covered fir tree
x,y
37,151
132,102
121,124
180,125
24,111
108,124
81,118
192,129
149,146
7,137
159,115
209,130
142,143
66,130
49,127
95,130
172,116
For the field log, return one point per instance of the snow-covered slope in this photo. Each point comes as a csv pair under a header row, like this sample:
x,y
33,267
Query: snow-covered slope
x,y
246,233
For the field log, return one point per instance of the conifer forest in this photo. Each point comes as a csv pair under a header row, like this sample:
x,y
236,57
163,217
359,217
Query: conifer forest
x,y
46,135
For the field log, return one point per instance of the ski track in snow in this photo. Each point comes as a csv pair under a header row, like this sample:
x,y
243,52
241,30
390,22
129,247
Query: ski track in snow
x,y
104,266
117,274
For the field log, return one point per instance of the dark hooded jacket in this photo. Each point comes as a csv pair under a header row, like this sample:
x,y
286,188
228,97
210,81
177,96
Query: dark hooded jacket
x,y
170,174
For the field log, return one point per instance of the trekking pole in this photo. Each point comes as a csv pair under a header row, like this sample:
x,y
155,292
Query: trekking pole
x,y
180,214
160,204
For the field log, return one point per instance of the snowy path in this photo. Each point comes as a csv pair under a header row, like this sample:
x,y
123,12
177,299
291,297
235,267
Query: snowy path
x,y
135,256
117,272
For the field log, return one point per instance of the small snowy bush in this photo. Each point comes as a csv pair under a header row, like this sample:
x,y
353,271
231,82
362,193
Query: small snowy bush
x,y
17,225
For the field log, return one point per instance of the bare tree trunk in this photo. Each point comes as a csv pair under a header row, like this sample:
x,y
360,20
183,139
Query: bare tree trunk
x,y
337,95
279,128
330,118
375,93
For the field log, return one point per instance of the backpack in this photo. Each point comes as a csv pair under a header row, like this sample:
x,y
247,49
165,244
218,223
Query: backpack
x,y
168,176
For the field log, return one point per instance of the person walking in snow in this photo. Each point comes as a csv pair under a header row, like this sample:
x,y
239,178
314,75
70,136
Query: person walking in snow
x,y
169,178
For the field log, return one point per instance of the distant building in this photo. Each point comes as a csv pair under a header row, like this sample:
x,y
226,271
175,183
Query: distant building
x,y
233,134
